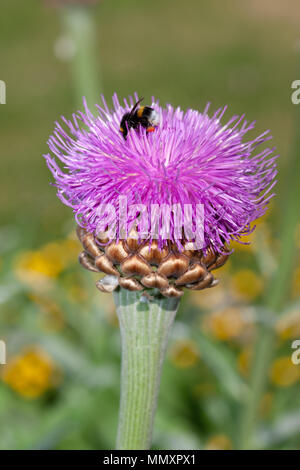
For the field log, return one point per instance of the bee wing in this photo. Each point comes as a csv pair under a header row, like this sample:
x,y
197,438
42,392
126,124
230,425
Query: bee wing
x,y
135,106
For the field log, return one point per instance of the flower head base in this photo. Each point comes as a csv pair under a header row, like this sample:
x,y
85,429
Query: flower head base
x,y
190,159
136,266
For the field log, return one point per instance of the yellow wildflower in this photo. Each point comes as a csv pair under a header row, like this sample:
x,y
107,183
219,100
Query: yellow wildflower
x,y
266,404
219,442
42,265
71,247
225,324
296,282
184,354
247,284
244,361
208,298
284,373
242,246
37,268
30,373
253,240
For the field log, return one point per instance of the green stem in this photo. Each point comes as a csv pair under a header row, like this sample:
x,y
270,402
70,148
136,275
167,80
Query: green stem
x,y
145,326
262,357
79,24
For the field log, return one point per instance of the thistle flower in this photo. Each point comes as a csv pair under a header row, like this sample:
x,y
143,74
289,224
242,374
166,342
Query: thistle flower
x,y
190,159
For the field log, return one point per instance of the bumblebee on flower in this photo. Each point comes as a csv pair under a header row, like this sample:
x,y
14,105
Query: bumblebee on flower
x,y
139,115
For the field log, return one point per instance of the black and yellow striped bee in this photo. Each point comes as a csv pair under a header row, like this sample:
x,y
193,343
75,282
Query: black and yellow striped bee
x,y
143,115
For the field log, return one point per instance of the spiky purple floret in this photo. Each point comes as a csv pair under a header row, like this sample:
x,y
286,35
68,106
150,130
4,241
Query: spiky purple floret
x,y
191,158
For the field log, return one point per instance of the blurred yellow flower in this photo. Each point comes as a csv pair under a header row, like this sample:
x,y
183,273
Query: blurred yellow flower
x,y
40,266
35,265
184,354
212,298
244,361
219,442
225,324
247,284
71,248
288,325
208,298
252,240
266,404
296,283
236,246
30,373
284,373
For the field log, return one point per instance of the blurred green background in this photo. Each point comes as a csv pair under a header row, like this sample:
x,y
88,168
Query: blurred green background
x,y
60,387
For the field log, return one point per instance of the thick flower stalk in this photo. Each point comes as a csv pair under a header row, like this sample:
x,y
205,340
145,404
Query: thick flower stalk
x,y
156,212
145,326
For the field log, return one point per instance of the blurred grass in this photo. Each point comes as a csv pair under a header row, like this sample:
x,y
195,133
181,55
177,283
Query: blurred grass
x,y
187,53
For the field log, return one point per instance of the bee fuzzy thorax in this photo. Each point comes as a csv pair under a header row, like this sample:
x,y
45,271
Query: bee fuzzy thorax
x,y
148,115
154,118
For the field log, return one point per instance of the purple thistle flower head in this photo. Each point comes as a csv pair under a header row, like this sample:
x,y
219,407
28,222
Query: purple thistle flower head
x,y
189,159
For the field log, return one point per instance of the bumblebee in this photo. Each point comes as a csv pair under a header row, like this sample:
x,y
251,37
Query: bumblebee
x,y
143,115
